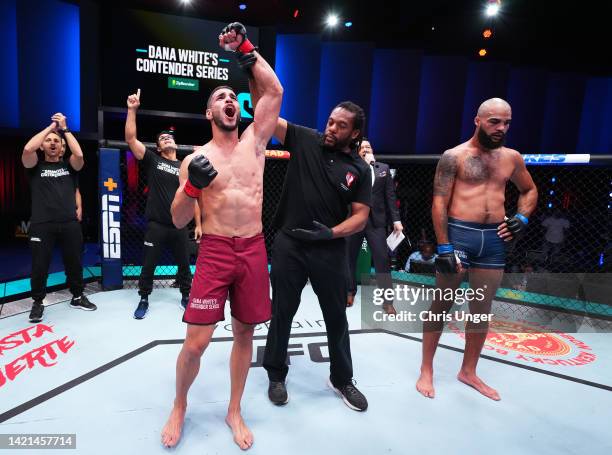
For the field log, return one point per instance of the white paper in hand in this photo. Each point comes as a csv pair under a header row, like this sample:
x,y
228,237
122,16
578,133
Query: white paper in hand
x,y
394,239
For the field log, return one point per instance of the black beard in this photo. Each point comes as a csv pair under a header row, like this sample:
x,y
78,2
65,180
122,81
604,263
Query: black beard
x,y
223,126
488,143
338,146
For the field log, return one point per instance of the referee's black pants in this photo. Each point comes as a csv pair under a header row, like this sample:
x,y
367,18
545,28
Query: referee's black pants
x,y
293,262
43,237
156,237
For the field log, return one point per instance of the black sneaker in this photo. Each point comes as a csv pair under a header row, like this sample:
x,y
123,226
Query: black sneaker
x,y
82,303
352,397
37,311
277,393
184,301
142,309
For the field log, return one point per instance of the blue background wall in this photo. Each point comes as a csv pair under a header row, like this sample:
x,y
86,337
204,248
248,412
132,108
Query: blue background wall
x,y
41,72
426,104
9,81
414,103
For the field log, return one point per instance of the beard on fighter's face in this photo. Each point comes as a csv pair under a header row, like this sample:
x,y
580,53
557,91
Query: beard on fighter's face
x,y
490,141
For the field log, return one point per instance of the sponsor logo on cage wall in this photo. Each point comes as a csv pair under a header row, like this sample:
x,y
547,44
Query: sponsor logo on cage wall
x,y
111,227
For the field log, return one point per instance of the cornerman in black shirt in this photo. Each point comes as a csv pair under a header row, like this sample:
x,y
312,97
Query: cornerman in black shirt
x,y
54,212
162,171
325,177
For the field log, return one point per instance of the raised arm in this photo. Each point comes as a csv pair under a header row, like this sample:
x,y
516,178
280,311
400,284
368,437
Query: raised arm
x,y
137,147
444,181
29,158
280,131
267,108
268,92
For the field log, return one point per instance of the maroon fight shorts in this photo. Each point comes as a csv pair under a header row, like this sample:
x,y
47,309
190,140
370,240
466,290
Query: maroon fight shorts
x,y
235,265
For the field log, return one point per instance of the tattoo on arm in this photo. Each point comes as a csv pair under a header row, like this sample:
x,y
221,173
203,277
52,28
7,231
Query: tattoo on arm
x,y
445,175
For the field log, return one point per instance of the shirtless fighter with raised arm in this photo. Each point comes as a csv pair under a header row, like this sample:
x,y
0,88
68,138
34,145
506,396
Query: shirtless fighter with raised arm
x,y
226,177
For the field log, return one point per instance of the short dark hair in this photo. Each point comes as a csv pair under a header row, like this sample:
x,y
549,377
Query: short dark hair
x,y
359,120
170,132
216,89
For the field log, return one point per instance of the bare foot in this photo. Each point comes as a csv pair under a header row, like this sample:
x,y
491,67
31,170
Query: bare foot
x,y
425,384
389,308
474,381
172,430
242,435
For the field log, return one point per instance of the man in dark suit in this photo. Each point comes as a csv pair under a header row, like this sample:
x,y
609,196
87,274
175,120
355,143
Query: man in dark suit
x,y
383,209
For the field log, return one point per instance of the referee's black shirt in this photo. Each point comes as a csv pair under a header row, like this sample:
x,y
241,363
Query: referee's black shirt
x,y
320,183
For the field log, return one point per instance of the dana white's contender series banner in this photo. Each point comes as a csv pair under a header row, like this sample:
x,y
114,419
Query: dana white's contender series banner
x,y
548,159
176,61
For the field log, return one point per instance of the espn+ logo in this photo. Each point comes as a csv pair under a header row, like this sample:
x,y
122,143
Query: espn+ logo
x,y
111,227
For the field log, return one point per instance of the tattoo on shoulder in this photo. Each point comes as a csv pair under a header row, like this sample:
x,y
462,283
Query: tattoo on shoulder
x,y
445,174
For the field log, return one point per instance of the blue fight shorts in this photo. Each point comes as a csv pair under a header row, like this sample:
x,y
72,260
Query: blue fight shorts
x,y
477,244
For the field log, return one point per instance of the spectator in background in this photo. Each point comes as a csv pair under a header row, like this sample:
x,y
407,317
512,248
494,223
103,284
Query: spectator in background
x,y
556,225
424,255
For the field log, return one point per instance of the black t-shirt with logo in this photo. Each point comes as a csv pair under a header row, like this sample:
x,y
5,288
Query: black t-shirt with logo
x,y
163,181
53,192
320,183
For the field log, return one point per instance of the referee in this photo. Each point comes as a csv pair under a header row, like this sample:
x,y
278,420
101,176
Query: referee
x,y
325,177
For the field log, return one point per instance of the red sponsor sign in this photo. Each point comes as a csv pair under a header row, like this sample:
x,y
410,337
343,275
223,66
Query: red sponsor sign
x,y
529,343
42,356
278,154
